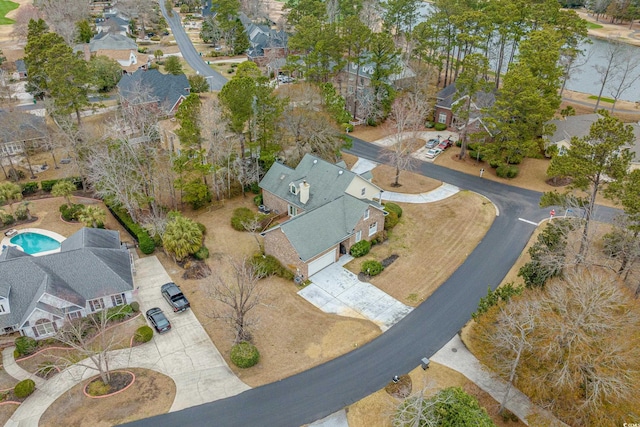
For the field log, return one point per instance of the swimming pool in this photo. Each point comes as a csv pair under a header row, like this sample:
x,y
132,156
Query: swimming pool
x,y
33,243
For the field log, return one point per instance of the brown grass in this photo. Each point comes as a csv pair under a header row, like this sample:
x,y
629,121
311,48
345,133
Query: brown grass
x,y
151,394
429,251
377,409
412,183
6,411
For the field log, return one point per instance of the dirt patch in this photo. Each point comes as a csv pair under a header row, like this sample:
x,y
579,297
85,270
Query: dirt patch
x,y
119,381
6,411
378,408
151,394
429,252
399,387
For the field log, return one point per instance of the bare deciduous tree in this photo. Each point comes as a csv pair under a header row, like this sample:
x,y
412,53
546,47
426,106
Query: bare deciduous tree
x,y
25,13
63,15
240,292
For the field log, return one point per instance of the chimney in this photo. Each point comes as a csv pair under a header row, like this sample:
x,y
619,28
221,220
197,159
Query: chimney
x,y
304,192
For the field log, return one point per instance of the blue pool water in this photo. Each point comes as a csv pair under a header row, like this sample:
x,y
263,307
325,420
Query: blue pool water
x,y
33,243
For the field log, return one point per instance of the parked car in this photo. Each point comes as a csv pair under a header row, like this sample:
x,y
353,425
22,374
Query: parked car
x,y
174,296
284,79
432,143
433,153
445,144
158,320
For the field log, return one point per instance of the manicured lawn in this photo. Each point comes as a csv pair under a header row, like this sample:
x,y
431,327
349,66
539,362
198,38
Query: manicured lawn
x,y
592,26
6,7
603,99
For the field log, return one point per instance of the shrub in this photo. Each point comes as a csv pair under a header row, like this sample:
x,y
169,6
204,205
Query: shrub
x,y
269,265
494,163
391,220
379,237
240,216
71,212
143,334
440,126
459,143
47,185
21,213
29,188
202,253
507,171
392,207
135,306
25,345
371,267
202,227
516,160
360,249
7,219
257,200
347,127
244,355
120,312
146,244
98,388
24,388
429,125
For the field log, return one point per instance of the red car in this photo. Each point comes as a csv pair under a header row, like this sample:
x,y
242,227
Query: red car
x,y
445,144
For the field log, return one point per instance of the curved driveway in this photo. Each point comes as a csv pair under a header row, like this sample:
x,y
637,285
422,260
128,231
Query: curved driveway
x,y
189,53
324,389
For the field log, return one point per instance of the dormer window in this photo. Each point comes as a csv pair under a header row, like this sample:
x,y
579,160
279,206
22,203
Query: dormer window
x,y
293,189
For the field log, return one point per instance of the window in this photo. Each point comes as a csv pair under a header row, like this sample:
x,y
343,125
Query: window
x,y
373,228
293,189
74,315
442,118
293,211
44,327
366,214
118,299
349,89
363,192
358,235
96,304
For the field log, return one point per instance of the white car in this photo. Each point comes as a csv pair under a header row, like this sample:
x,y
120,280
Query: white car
x,y
433,153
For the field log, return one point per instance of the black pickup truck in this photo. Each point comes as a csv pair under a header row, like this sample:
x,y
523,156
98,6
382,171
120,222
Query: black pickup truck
x,y
174,296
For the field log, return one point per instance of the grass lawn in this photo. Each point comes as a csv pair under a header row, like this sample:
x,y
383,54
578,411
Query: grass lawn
x,y
592,26
603,99
7,6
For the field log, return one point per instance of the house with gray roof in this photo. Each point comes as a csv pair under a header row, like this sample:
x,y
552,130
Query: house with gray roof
x,y
92,272
267,47
18,130
163,91
448,98
327,209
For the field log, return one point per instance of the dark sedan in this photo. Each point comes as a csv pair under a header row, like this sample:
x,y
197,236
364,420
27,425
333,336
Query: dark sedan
x,y
158,320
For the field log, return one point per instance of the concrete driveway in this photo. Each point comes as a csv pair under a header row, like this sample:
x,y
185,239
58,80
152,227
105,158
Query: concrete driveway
x,y
186,353
336,290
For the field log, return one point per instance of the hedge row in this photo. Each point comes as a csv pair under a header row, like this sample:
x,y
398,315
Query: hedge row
x,y
145,242
47,185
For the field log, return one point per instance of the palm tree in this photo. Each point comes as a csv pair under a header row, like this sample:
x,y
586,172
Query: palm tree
x,y
10,192
92,216
25,207
64,189
182,237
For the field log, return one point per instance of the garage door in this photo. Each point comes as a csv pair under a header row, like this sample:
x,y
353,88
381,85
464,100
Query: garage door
x,y
322,262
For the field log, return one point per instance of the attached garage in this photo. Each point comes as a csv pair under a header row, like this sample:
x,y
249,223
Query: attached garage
x,y
322,262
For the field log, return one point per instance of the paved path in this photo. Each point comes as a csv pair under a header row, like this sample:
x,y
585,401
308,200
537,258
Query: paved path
x,y
336,290
186,354
456,356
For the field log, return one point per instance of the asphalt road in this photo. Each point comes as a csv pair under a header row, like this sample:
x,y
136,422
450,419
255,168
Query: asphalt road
x,y
189,53
324,389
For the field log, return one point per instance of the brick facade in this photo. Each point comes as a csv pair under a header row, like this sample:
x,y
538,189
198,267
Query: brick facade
x,y
277,245
276,204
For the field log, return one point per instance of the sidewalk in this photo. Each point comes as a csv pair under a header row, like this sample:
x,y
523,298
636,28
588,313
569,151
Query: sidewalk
x,y
455,355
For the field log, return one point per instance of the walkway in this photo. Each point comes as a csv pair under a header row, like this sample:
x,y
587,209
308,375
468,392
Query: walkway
x,y
455,355
186,354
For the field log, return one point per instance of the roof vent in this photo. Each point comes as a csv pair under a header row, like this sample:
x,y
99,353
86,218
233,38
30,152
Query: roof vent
x,y
340,172
315,161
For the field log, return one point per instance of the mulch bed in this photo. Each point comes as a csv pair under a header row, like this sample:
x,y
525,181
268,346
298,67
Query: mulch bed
x,y
389,260
9,396
119,381
400,389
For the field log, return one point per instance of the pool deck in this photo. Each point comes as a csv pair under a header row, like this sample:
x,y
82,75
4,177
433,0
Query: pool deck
x,y
6,241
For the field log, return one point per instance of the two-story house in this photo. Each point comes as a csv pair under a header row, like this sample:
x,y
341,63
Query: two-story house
x,y
328,208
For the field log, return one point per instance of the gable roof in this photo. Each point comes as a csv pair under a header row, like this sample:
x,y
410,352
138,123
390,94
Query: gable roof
x,y
111,41
448,97
366,71
20,126
571,126
327,181
168,89
91,265
262,36
313,232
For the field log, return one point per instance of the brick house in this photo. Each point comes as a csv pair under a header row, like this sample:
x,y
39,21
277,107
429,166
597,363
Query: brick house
x,y
38,294
448,98
267,47
328,209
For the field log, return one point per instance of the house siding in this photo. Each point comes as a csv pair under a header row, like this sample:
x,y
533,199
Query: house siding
x,y
375,215
356,186
277,245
